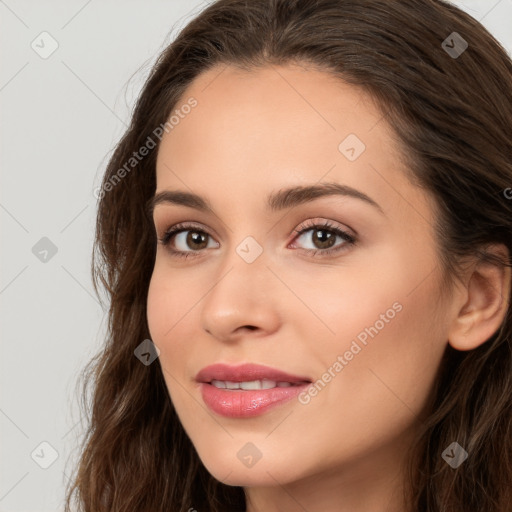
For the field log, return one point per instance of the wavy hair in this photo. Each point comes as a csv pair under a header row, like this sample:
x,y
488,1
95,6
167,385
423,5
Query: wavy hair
x,y
452,117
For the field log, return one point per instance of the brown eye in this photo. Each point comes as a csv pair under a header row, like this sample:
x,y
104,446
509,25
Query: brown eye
x,y
185,240
195,240
323,238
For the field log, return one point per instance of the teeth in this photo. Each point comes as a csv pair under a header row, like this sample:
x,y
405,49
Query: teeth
x,y
267,384
250,385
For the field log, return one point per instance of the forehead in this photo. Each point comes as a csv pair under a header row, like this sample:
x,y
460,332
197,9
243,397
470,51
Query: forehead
x,y
283,108
255,131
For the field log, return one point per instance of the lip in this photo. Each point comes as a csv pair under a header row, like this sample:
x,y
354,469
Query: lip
x,y
247,403
246,372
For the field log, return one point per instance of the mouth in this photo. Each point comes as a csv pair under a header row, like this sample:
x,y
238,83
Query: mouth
x,y
250,374
252,385
247,390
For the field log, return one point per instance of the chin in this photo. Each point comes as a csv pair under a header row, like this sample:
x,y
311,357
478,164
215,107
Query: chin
x,y
247,478
260,475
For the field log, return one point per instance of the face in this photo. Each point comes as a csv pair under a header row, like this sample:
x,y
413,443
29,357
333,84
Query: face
x,y
338,287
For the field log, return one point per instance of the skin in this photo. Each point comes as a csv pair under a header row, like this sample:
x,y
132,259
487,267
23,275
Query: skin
x,y
254,133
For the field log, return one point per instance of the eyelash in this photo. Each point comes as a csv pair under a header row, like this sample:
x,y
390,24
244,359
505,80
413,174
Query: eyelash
x,y
311,225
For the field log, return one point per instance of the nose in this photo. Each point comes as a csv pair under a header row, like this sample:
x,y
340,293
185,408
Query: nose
x,y
243,300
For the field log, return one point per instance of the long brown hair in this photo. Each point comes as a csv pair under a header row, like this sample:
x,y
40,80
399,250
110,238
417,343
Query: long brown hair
x,y
451,113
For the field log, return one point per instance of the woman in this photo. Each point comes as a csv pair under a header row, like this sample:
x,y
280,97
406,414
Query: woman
x,y
306,234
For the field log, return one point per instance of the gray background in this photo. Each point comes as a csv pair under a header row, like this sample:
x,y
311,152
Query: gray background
x,y
61,117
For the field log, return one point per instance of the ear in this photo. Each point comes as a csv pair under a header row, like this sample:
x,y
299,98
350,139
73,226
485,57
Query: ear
x,y
485,305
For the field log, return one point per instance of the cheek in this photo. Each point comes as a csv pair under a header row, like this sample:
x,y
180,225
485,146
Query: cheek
x,y
168,305
175,298
384,321
159,308
398,350
391,350
171,297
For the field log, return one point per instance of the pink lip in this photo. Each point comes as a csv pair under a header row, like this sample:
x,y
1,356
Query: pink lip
x,y
246,372
247,403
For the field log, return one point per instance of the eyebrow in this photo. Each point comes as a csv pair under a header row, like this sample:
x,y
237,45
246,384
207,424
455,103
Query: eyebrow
x,y
280,200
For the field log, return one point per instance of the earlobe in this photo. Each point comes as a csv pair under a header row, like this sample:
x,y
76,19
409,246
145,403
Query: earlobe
x,y
486,305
